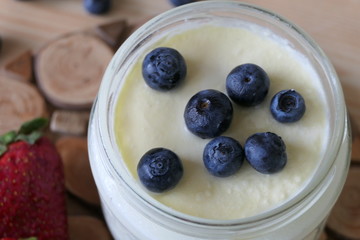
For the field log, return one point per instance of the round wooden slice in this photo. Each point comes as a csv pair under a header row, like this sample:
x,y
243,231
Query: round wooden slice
x,y
19,102
345,216
355,153
323,236
69,70
0,44
78,175
87,228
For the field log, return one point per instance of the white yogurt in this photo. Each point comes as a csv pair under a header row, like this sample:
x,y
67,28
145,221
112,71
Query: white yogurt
x,y
129,118
146,118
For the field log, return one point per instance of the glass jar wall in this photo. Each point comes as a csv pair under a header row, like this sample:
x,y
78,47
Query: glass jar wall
x,y
132,214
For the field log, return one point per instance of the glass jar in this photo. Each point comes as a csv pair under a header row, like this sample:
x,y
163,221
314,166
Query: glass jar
x,y
132,214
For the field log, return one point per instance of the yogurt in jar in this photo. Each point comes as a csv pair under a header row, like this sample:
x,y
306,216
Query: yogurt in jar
x,y
129,118
146,118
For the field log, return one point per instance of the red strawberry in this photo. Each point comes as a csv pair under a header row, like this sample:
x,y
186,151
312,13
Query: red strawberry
x,y
32,190
31,238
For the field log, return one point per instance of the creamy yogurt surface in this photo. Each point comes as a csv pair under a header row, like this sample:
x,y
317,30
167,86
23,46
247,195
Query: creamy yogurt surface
x,y
146,118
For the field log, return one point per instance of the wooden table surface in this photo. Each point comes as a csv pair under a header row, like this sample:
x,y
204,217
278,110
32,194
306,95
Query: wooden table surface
x,y
334,24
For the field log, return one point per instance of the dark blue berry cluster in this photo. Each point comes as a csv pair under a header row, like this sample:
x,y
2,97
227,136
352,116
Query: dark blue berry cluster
x,y
208,114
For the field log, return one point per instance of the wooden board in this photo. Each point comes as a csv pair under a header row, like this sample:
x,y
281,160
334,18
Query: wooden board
x,y
334,24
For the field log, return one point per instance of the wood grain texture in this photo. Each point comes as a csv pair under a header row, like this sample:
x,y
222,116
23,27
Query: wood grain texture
x,y
334,24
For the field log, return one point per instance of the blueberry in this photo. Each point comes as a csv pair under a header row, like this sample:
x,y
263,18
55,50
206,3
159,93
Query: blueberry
x,y
287,106
208,113
159,169
247,84
223,156
266,152
97,6
163,68
180,2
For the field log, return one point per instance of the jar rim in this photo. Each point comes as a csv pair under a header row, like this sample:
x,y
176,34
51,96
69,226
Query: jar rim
x,y
106,99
